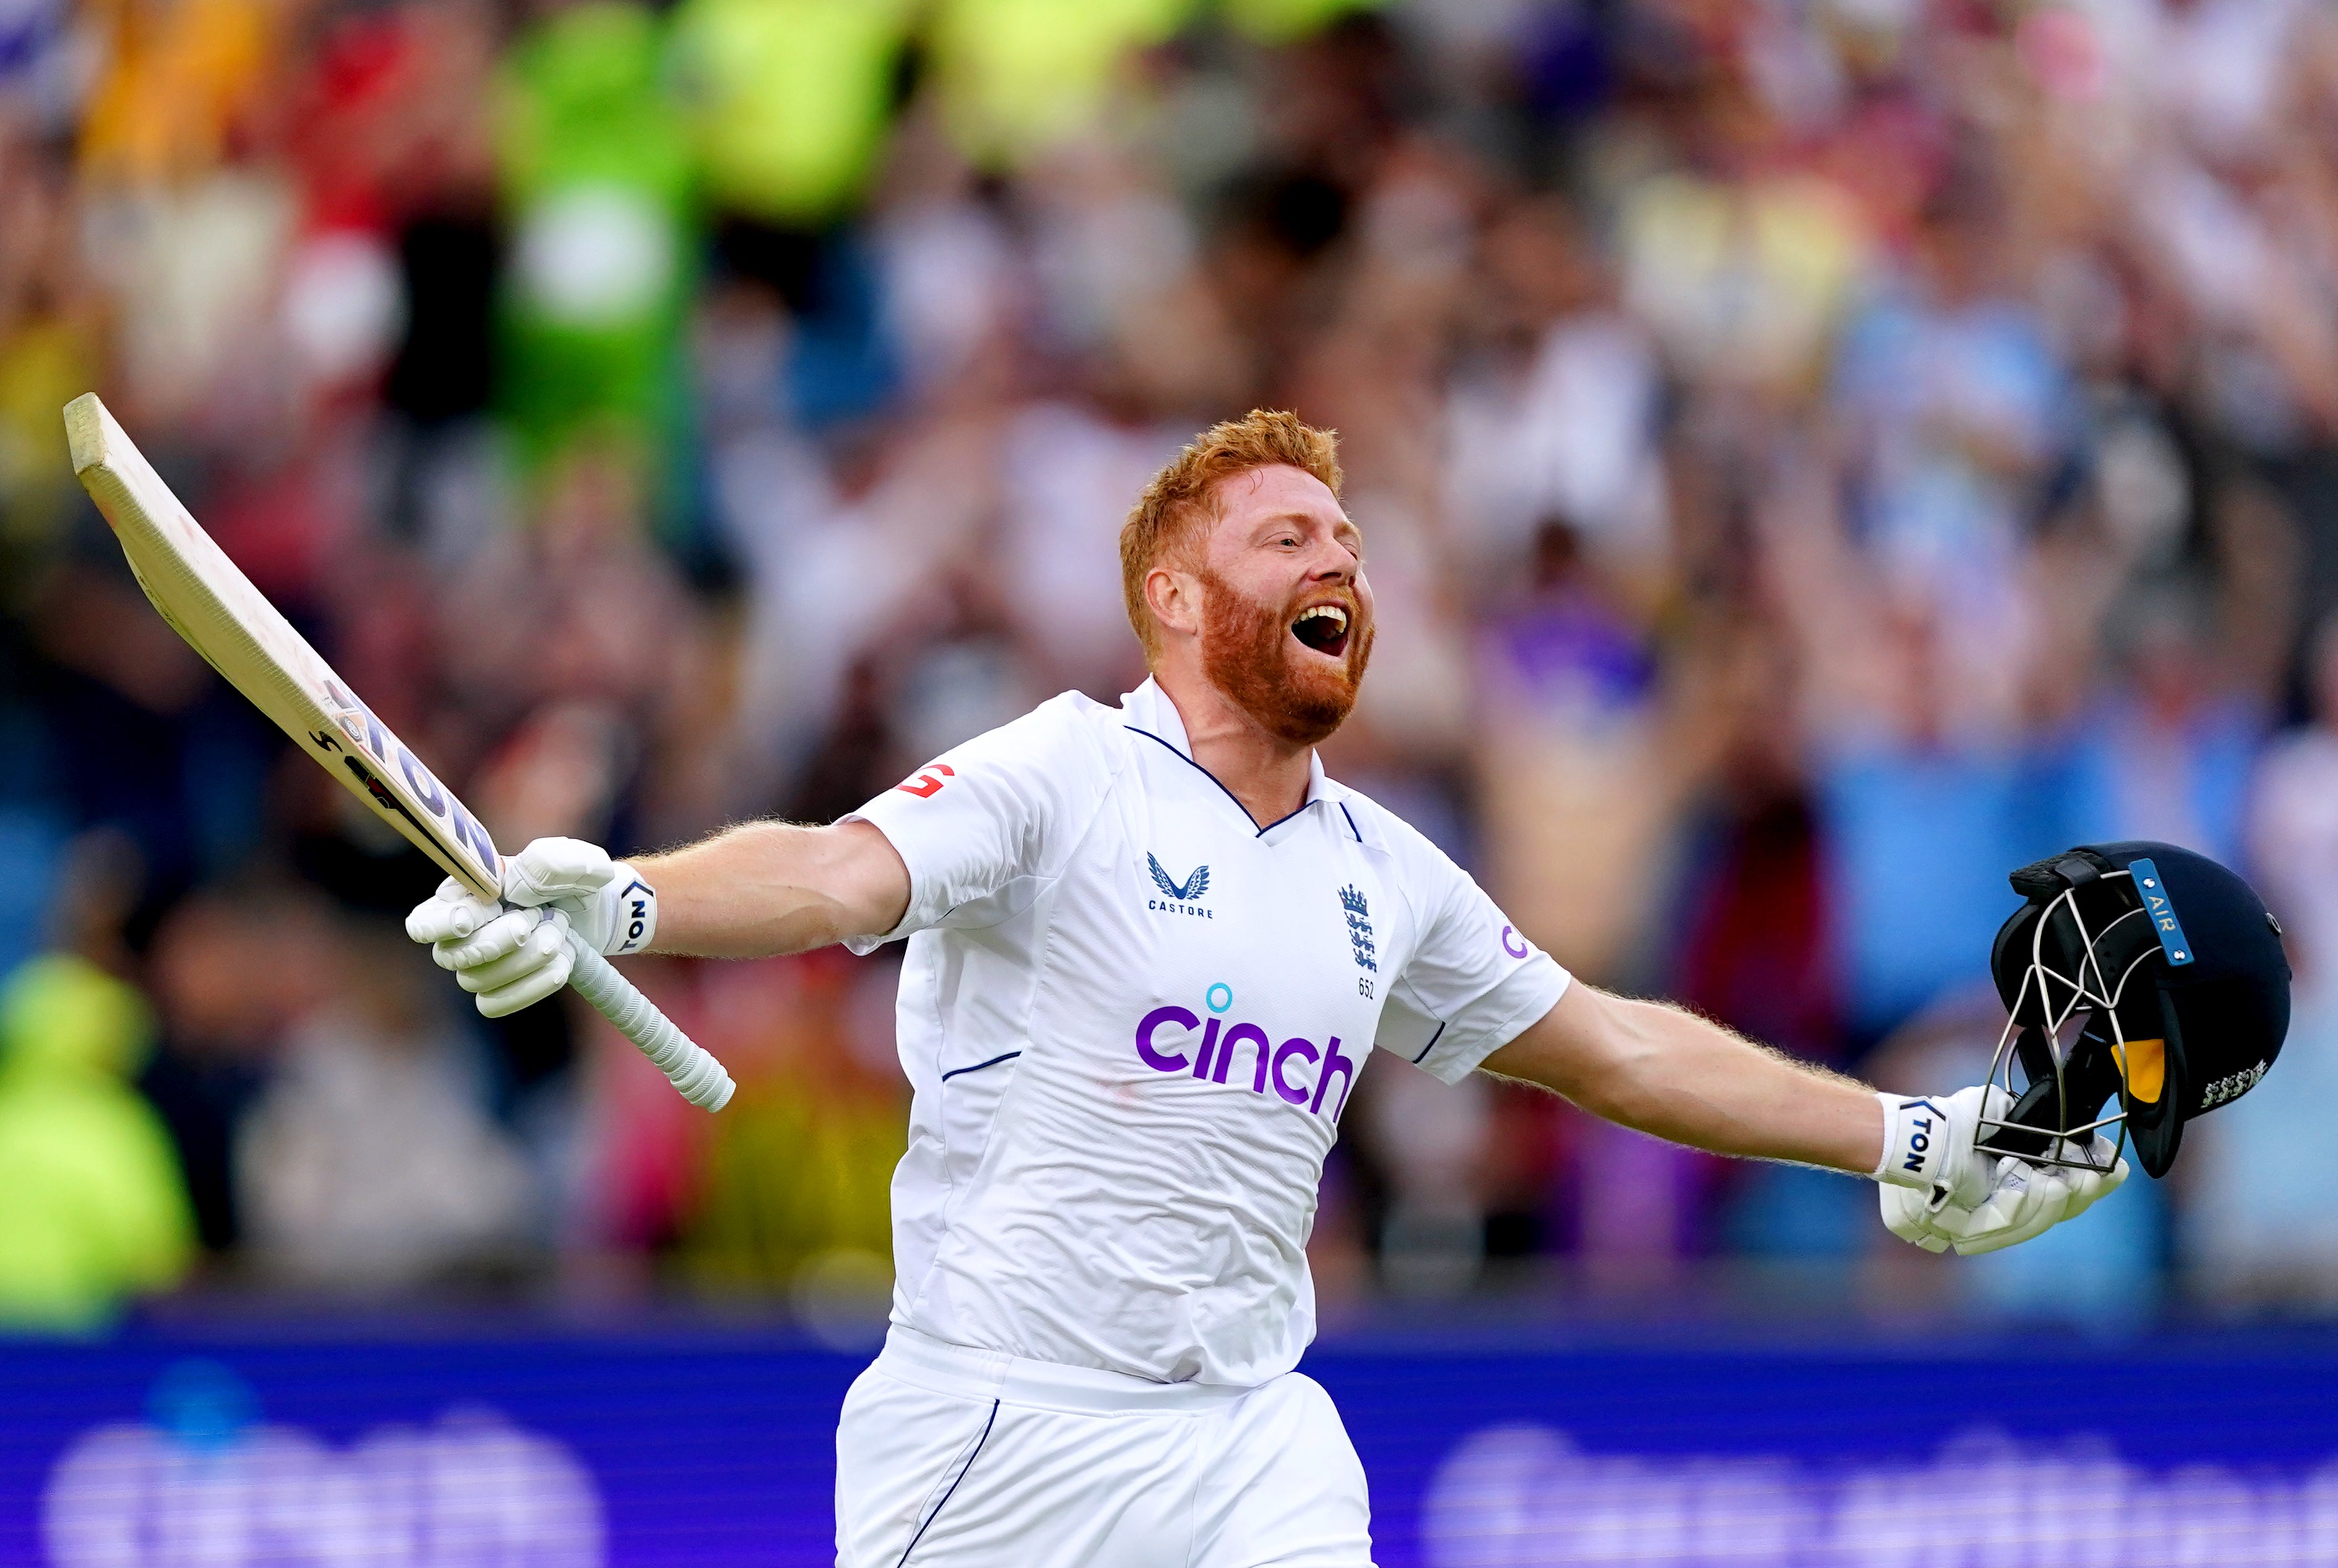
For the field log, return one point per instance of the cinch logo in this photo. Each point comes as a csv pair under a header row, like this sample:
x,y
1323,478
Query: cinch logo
x,y
1163,1034
1180,894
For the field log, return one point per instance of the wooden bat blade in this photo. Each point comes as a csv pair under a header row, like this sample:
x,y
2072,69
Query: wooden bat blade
x,y
209,600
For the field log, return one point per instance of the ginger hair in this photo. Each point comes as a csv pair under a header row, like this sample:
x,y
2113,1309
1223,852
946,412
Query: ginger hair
x,y
1168,517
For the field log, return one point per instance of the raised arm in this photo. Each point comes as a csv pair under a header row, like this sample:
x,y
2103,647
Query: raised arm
x,y
767,887
1671,1073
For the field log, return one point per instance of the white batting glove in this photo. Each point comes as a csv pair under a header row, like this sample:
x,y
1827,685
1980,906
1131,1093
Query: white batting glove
x,y
610,905
511,958
506,959
1939,1192
2027,1201
1928,1145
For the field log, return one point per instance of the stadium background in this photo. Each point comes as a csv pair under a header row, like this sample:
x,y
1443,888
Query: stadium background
x,y
1814,455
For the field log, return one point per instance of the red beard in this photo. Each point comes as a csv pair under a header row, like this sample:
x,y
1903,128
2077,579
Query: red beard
x,y
1248,654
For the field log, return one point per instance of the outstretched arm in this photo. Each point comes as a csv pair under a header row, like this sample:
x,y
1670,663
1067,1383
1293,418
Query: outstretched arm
x,y
1669,1073
767,887
748,892
970,825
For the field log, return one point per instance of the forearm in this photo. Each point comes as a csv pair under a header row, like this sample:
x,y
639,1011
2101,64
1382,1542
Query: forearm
x,y
1676,1076
768,887
1693,1081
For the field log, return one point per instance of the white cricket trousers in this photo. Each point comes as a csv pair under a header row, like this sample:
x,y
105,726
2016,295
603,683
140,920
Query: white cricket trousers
x,y
949,1457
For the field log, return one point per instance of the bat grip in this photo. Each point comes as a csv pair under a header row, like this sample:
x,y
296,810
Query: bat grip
x,y
698,1076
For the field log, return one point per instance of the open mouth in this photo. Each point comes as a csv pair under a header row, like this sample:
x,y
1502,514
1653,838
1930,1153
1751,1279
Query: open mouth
x,y
1323,627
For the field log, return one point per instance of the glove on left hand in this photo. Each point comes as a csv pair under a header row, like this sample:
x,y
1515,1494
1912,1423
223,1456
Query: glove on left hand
x,y
1928,1145
2026,1200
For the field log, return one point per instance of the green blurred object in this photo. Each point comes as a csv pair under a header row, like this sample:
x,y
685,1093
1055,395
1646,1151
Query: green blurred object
x,y
1286,21
92,1206
1020,76
599,188
789,100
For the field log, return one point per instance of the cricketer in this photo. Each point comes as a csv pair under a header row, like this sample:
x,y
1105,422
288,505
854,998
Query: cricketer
x,y
1151,949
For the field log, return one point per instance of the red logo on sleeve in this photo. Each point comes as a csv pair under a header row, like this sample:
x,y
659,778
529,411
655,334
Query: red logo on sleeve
x,y
926,784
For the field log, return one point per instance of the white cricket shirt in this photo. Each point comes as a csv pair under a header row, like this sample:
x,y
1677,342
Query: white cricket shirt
x,y
1132,1017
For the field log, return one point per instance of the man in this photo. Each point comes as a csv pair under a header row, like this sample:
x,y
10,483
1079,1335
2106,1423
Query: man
x,y
1150,948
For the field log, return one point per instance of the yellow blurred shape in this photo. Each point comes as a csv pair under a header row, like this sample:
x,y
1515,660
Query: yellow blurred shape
x,y
789,99
1020,76
45,363
178,75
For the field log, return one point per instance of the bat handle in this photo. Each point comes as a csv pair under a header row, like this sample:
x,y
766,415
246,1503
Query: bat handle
x,y
698,1076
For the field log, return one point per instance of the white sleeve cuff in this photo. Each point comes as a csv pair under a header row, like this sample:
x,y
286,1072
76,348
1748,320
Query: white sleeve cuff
x,y
1530,991
909,924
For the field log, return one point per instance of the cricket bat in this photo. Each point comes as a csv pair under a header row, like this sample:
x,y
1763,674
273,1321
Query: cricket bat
x,y
208,602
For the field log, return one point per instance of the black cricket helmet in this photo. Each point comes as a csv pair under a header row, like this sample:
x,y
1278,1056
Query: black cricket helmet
x,y
2139,971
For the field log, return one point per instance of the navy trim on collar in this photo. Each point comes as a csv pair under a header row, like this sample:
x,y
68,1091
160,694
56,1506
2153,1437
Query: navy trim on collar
x,y
1204,772
1279,821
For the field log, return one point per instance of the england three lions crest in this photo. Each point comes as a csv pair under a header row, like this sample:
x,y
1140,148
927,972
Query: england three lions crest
x,y
1359,929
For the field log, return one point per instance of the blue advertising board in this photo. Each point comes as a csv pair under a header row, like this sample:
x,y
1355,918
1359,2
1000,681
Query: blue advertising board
x,y
575,1452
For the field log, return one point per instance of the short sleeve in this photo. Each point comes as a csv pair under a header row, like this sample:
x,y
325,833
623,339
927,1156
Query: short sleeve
x,y
1472,983
982,826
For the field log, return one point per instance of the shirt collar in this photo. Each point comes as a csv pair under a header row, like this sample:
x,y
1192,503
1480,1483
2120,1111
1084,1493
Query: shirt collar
x,y
1319,786
1149,709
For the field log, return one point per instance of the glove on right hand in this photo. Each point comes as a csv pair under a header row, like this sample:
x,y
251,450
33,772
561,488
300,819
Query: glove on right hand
x,y
607,902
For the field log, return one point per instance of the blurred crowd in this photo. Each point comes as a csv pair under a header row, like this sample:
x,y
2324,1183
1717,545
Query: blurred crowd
x,y
1814,457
